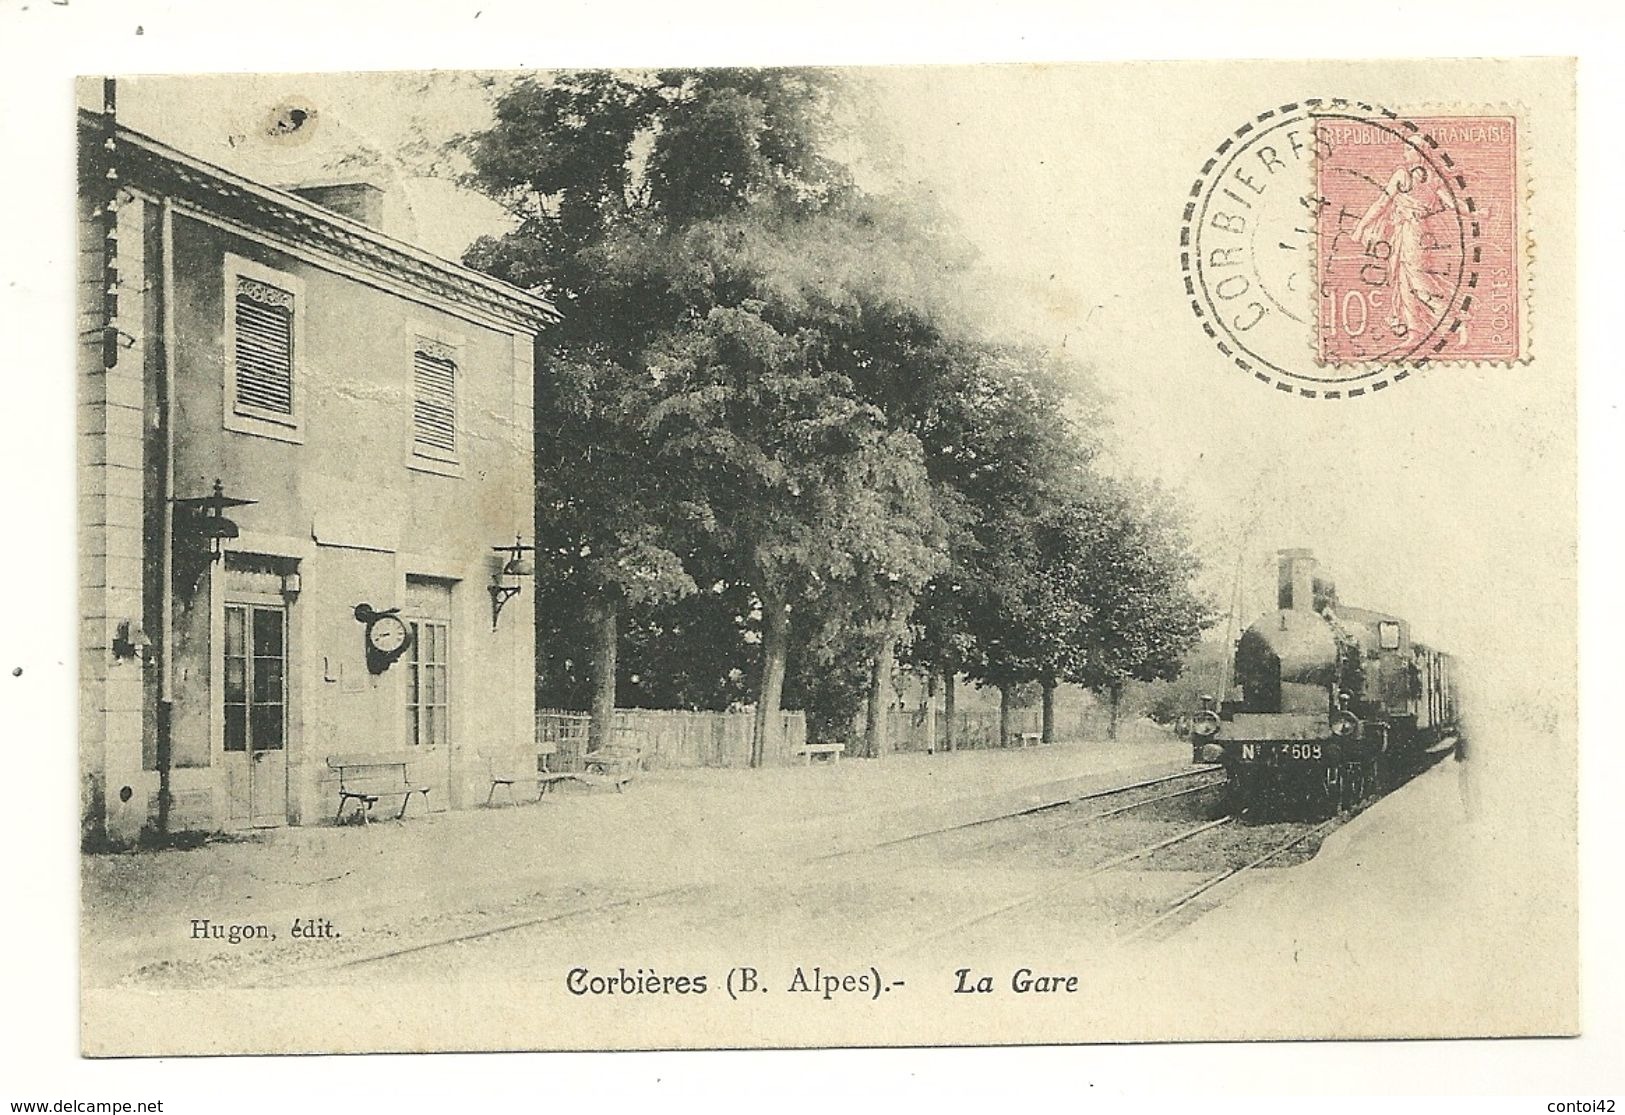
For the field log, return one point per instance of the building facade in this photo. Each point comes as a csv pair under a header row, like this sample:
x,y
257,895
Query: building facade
x,y
371,406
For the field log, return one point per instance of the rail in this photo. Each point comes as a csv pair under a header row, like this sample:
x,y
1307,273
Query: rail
x,y
1033,896
1174,907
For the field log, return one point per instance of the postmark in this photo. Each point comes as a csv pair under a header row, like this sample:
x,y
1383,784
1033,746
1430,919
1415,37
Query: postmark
x,y
1331,248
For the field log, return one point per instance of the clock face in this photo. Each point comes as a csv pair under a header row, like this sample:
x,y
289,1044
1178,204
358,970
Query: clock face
x,y
386,634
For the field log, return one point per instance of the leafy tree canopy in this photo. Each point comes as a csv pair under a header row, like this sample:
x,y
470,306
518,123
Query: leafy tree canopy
x,y
766,408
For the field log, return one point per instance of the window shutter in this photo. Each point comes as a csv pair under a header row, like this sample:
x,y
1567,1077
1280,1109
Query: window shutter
x,y
434,409
264,327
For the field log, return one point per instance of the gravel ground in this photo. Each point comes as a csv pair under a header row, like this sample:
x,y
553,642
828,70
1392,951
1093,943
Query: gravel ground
x,y
909,900
445,873
861,900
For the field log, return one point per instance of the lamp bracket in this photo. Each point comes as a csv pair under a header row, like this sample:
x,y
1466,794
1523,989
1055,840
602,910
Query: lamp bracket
x,y
500,595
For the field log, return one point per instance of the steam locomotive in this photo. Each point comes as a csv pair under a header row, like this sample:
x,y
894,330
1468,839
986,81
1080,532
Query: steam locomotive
x,y
1333,700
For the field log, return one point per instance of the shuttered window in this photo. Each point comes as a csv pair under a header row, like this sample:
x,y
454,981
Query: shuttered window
x,y
434,401
264,348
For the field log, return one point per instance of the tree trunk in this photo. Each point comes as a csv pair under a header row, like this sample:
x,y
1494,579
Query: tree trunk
x,y
871,713
875,742
1004,716
1049,712
948,685
605,646
1116,690
775,648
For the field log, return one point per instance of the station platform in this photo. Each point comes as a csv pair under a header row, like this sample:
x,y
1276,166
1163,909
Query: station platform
x,y
1449,899
575,846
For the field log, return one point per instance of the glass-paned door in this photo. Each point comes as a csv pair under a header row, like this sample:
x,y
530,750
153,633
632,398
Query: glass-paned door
x,y
255,721
428,683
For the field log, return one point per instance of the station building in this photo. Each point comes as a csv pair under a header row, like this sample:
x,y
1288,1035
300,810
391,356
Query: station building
x,y
303,444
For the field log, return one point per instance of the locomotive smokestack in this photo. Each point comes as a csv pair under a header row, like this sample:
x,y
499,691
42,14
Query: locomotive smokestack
x,y
1296,584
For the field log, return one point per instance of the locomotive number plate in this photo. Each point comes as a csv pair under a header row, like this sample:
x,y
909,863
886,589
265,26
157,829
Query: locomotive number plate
x,y
1289,752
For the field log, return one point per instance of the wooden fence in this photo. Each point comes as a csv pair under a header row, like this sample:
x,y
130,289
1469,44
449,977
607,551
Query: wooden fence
x,y
671,737
909,729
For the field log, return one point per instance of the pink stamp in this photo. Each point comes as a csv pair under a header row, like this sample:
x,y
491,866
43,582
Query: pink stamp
x,y
1417,237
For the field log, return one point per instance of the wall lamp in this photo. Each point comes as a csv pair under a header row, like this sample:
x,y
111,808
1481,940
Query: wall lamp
x,y
201,521
507,583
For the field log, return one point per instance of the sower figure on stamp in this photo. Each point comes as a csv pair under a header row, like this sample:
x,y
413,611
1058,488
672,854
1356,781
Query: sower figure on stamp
x,y
1393,229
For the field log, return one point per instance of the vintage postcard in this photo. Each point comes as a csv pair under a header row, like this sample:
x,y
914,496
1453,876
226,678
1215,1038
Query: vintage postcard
x,y
717,558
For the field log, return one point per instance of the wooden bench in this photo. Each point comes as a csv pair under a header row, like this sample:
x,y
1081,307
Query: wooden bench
x,y
1029,739
830,751
547,779
602,769
366,778
506,774
613,765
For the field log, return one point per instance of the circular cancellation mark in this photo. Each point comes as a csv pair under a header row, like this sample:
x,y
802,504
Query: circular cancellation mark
x,y
1332,247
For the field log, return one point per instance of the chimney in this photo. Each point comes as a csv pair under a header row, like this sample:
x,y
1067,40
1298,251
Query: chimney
x,y
1295,589
360,201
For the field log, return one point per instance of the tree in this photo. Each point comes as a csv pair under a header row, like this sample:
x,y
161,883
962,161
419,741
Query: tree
x,y
604,514
804,485
764,384
1144,614
1007,440
702,651
674,215
557,158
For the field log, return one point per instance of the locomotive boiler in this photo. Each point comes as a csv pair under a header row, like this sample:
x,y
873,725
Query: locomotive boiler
x,y
1328,700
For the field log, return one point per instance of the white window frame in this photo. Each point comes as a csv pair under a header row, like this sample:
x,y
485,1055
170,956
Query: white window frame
x,y
1388,627
428,458
244,418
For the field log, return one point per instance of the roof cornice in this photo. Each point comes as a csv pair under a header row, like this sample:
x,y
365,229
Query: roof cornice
x,y
146,163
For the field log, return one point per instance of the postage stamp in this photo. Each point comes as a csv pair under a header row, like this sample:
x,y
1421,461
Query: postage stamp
x,y
1331,248
1417,240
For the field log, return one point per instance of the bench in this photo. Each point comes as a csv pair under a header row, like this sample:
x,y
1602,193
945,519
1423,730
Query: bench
x,y
605,767
830,751
506,774
366,778
547,779
1029,739
613,765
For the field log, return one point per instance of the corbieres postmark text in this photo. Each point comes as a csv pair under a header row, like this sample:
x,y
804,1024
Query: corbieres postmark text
x,y
1331,248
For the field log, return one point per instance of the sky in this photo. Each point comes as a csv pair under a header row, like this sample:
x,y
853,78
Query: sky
x,y
1448,499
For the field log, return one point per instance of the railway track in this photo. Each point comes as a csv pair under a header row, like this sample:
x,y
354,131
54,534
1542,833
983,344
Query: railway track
x,y
1049,894
1118,894
1205,773
1205,778
1167,910
1183,902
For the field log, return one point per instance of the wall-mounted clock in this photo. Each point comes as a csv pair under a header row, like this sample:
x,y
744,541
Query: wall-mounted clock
x,y
387,637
